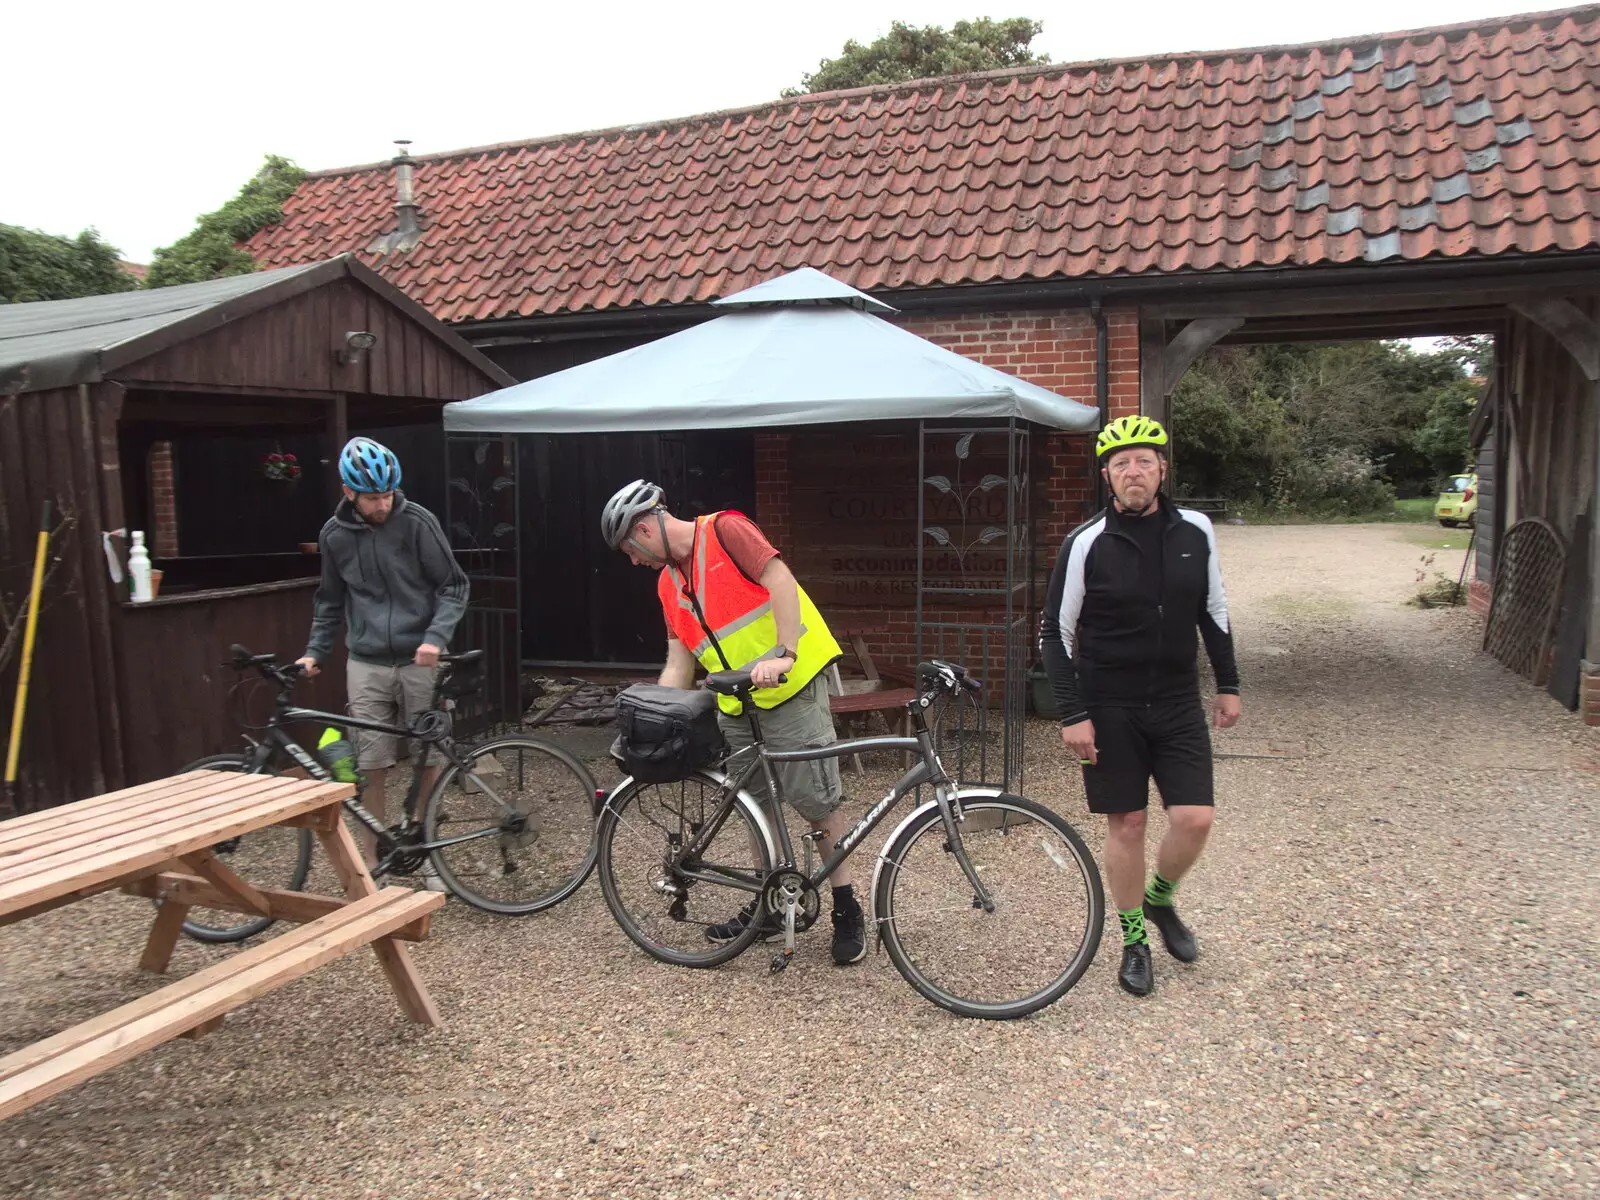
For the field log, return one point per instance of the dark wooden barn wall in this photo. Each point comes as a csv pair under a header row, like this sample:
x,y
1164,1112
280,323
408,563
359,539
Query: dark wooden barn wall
x,y
1488,492
51,446
174,689
295,344
1553,423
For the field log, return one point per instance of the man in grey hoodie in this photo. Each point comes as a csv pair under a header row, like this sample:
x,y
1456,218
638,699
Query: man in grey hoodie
x,y
389,576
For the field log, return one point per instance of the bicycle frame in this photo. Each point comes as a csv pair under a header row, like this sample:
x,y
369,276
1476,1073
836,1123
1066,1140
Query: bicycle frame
x,y
926,770
275,738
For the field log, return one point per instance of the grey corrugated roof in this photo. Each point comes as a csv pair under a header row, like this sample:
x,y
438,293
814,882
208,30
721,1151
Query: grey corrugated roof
x,y
57,343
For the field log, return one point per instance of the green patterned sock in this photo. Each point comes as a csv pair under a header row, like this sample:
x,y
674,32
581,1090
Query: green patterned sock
x,y
1132,919
1160,891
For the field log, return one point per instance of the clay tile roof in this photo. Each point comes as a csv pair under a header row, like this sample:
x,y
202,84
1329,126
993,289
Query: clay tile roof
x,y
1477,139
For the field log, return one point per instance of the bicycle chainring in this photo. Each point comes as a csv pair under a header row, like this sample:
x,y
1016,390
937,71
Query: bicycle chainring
x,y
779,886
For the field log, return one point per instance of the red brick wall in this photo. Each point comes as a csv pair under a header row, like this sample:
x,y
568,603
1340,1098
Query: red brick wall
x,y
163,535
1589,694
772,489
1055,350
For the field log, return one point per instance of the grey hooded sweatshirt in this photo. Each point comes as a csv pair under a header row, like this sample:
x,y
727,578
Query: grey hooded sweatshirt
x,y
394,585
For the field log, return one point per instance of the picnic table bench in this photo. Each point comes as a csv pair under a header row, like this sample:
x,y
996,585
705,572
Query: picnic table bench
x,y
157,840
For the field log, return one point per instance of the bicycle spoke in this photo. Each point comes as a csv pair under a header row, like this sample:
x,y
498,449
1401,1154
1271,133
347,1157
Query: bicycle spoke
x,y
513,829
666,908
1044,927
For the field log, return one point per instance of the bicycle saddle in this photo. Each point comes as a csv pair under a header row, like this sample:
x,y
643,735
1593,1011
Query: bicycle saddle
x,y
729,683
733,683
465,659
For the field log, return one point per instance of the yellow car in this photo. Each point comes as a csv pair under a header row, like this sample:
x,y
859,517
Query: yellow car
x,y
1458,503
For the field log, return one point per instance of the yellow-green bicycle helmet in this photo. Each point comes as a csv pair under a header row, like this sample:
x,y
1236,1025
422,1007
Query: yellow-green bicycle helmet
x,y
1137,430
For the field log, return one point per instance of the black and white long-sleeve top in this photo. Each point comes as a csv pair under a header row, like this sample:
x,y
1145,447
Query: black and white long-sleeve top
x,y
1118,627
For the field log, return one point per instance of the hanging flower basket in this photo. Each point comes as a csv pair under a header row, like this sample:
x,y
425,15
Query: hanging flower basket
x,y
280,470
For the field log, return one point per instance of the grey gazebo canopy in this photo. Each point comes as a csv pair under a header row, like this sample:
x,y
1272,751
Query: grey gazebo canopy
x,y
801,349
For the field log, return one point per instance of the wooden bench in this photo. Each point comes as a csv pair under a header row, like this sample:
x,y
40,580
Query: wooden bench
x,y
868,695
194,1006
158,840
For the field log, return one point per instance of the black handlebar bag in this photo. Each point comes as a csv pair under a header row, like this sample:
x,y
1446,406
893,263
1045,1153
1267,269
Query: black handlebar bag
x,y
667,733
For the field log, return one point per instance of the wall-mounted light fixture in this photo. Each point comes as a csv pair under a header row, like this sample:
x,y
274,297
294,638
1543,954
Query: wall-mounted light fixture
x,y
356,344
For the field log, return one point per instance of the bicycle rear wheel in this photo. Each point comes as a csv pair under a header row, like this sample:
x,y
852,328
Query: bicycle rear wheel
x,y
278,857
665,912
524,813
1045,927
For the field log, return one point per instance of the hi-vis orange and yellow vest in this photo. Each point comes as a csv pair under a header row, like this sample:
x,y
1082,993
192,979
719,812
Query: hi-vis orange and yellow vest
x,y
740,614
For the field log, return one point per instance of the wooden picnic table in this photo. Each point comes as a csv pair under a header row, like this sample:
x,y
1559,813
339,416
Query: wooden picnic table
x,y
157,840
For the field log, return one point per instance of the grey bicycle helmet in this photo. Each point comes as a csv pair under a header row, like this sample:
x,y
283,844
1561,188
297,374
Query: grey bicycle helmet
x,y
625,507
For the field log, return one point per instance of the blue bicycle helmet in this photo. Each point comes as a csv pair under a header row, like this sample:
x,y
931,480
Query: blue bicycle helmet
x,y
365,466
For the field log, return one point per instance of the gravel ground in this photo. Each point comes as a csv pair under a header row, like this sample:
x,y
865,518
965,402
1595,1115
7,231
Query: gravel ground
x,y
1395,995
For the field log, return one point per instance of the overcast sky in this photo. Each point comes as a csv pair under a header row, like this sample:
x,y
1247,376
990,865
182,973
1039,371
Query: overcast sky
x,y
136,118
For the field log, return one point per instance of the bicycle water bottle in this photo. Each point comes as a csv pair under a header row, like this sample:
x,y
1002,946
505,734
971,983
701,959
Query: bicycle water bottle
x,y
338,755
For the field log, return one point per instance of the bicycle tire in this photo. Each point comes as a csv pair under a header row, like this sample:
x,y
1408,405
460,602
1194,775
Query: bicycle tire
x,y
539,777
639,864
1007,815
300,864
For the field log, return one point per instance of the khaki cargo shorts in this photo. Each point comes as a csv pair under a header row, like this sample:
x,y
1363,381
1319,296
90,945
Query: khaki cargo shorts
x,y
393,695
812,788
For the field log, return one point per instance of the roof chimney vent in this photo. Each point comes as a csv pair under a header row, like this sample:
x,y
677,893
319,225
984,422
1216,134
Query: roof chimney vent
x,y
408,216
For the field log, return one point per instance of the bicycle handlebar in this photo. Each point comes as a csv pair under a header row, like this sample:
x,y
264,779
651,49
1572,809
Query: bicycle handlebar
x,y
947,677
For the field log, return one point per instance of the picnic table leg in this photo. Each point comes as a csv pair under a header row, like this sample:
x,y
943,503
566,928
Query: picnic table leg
x,y
170,917
352,871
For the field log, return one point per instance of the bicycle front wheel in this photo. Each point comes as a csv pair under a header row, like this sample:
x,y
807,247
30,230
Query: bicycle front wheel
x,y
684,913
1048,908
516,823
278,856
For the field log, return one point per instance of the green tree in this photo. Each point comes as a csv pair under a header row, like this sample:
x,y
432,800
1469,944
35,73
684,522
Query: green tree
x,y
1444,441
42,266
210,250
921,52
1326,428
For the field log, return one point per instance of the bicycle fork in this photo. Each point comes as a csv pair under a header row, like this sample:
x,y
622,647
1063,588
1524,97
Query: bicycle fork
x,y
950,814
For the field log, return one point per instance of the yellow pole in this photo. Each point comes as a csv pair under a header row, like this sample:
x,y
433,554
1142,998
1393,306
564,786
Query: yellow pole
x,y
27,646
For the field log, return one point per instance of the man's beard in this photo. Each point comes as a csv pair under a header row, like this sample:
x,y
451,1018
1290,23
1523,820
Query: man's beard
x,y
1149,499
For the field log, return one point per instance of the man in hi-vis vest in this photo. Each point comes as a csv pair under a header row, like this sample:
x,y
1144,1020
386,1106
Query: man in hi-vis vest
x,y
762,619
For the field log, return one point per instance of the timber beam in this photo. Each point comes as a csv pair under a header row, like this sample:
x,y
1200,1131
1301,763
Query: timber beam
x,y
1569,325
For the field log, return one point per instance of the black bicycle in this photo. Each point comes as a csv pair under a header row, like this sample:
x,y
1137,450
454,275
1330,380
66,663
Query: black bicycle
x,y
989,904
508,826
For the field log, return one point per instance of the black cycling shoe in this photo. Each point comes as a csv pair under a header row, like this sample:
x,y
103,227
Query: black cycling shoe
x,y
849,936
1180,941
1137,976
726,931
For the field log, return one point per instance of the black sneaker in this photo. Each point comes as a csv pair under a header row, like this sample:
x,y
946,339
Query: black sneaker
x,y
849,935
1137,976
726,931
1179,940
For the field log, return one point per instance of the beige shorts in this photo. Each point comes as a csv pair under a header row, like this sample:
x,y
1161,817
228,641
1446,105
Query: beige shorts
x,y
393,695
811,788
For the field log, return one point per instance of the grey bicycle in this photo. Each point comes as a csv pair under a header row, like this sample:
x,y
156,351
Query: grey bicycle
x,y
989,904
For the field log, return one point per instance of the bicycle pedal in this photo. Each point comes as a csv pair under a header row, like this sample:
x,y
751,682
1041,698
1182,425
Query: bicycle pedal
x,y
781,961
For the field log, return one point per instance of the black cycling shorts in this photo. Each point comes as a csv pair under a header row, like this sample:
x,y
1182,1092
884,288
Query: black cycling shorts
x,y
1168,741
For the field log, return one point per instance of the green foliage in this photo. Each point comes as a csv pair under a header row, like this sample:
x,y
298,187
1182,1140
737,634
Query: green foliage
x,y
1333,430
42,266
921,52
1443,439
209,251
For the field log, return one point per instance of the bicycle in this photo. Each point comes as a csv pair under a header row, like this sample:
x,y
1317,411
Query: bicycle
x,y
989,904
510,813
